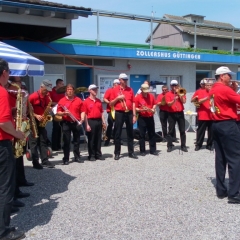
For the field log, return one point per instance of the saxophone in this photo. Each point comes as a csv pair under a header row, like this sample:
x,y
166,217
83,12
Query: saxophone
x,y
46,116
21,125
32,120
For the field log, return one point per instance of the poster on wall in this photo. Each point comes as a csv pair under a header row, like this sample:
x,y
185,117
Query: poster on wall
x,y
104,83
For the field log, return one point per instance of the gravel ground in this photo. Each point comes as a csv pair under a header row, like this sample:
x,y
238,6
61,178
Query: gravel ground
x,y
170,196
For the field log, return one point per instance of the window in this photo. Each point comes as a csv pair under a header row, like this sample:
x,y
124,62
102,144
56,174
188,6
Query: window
x,y
103,62
215,48
235,49
192,46
167,79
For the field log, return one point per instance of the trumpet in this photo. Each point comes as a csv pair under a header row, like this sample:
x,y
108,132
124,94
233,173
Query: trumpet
x,y
147,109
124,103
104,131
182,92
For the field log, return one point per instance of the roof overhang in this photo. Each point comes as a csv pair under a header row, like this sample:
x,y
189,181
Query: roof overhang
x,y
37,22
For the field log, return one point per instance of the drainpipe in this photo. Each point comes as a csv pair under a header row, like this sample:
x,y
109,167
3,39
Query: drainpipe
x,y
98,42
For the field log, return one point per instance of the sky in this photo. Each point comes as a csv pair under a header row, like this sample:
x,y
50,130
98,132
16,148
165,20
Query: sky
x,y
129,31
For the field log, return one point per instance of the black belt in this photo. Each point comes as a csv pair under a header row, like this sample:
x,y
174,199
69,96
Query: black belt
x,y
130,111
227,120
96,119
144,116
65,121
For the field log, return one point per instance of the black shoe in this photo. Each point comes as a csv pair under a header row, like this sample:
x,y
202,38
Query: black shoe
x,y
14,210
154,153
197,148
17,203
184,149
26,184
12,234
169,149
48,164
117,157
100,158
222,196
37,165
106,143
235,199
143,154
65,162
92,159
77,159
22,195
132,155
210,148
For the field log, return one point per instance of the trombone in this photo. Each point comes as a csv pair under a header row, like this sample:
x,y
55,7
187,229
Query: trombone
x,y
75,120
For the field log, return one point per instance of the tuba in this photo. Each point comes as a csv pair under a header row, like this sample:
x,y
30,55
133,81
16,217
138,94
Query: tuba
x,y
46,116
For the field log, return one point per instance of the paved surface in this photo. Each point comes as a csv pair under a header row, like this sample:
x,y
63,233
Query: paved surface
x,y
170,196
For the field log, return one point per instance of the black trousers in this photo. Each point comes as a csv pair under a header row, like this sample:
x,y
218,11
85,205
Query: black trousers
x,y
146,124
68,128
202,126
120,119
109,127
56,135
95,137
7,183
41,143
173,118
163,115
226,138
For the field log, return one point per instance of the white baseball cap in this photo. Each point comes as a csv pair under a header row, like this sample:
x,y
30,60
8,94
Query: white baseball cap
x,y
116,81
174,82
123,76
47,84
223,70
92,86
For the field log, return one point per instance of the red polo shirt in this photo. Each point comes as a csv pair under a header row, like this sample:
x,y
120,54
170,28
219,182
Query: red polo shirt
x,y
107,96
73,105
39,102
93,108
129,98
56,96
204,109
223,99
177,105
141,101
159,99
5,112
197,92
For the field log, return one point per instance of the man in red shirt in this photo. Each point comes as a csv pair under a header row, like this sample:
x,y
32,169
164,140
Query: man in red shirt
x,y
95,122
163,110
106,99
194,98
70,108
175,103
226,135
145,106
56,128
7,161
123,102
204,117
40,100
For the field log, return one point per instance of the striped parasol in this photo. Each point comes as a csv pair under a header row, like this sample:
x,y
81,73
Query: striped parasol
x,y
21,63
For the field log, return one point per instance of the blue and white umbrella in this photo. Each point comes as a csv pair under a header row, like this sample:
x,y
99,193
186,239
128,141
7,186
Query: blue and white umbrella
x,y
21,63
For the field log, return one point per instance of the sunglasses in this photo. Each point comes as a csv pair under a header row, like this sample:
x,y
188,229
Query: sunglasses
x,y
174,85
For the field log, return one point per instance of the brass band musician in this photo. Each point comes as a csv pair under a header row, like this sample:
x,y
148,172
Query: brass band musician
x,y
123,102
145,107
41,103
204,116
70,108
95,122
175,101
